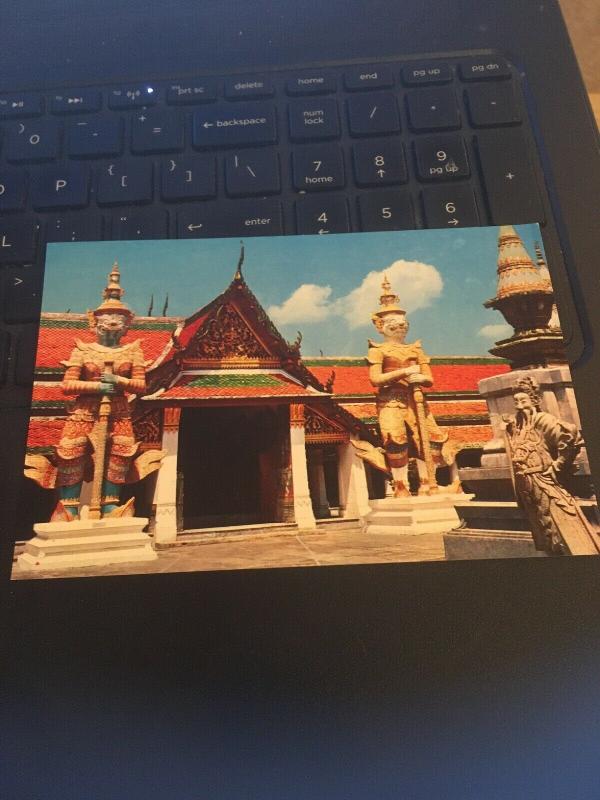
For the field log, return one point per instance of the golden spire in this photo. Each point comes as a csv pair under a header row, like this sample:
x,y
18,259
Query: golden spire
x,y
517,274
111,296
388,301
238,273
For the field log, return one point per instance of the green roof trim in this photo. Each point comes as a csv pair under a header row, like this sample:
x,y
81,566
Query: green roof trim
x,y
40,451
233,381
48,404
81,324
334,362
440,360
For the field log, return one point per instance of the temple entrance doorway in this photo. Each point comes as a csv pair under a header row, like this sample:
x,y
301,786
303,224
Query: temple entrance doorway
x,y
229,463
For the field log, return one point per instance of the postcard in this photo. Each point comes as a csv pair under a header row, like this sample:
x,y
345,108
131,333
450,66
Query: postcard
x,y
301,401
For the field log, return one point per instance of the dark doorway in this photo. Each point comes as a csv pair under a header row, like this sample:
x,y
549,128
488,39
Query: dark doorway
x,y
224,457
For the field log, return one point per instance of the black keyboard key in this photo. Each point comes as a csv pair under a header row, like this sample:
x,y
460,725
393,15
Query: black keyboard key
x,y
450,206
311,83
13,189
424,72
18,240
368,78
252,172
251,218
22,294
35,141
318,167
492,104
189,93
60,187
240,218
79,101
509,181
441,158
372,114
243,88
314,118
152,223
13,106
4,354
433,109
189,178
125,182
386,211
379,163
482,68
234,125
156,132
74,228
95,137
138,96
322,215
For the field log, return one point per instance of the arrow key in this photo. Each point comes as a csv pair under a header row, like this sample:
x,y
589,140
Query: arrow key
x,y
328,214
441,158
22,294
450,206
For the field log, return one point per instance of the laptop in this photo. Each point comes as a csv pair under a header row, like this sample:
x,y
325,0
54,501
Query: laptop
x,y
133,130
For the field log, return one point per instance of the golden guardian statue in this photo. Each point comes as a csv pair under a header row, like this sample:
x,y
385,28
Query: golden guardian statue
x,y
399,371
97,443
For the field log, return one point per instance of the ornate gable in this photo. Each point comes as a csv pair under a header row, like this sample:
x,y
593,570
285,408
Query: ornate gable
x,y
322,430
226,336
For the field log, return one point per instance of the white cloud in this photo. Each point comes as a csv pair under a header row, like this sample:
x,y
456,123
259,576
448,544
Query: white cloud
x,y
416,283
499,331
308,303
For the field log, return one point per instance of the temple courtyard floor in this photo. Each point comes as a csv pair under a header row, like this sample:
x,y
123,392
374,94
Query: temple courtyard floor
x,y
330,544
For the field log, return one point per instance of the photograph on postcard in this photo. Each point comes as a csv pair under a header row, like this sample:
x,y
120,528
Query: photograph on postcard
x,y
301,401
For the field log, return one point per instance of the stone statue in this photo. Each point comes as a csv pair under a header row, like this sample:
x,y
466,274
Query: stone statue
x,y
398,371
542,450
97,442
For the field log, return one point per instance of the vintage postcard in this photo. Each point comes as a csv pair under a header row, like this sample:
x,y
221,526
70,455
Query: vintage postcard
x,y
301,401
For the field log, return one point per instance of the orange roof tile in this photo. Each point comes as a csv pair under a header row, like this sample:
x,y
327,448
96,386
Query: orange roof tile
x,y
56,342
457,377
44,431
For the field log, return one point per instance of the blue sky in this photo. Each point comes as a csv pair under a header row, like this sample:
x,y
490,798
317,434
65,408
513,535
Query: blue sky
x,y
320,285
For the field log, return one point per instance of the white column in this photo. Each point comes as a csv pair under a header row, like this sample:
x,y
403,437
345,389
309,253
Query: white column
x,y
302,502
352,481
165,496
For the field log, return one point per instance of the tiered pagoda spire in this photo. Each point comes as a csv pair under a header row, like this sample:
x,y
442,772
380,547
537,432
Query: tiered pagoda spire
x,y
525,298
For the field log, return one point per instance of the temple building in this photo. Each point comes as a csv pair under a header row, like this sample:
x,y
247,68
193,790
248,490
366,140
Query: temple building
x,y
253,433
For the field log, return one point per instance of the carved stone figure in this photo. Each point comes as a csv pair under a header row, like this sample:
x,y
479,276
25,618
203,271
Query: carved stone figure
x,y
97,442
398,371
542,450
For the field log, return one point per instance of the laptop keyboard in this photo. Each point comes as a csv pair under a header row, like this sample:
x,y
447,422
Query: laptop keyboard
x,y
436,143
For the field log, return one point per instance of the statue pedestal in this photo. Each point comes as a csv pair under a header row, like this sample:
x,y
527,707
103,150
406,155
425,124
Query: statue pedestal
x,y
412,515
490,529
499,529
87,543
